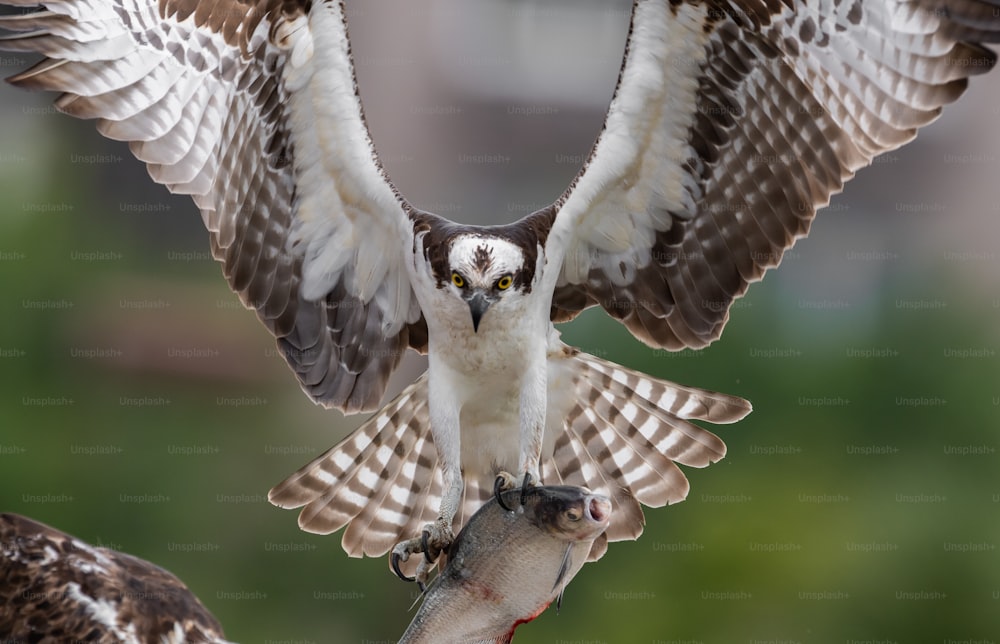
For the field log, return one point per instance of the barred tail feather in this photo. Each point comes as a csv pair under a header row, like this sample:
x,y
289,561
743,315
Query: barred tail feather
x,y
552,476
583,467
391,503
424,504
624,433
681,401
474,496
382,482
391,457
615,431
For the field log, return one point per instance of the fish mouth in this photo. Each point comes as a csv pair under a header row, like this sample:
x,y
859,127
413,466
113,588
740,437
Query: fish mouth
x,y
598,509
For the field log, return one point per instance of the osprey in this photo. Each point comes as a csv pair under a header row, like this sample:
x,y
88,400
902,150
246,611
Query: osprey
x,y
57,588
732,122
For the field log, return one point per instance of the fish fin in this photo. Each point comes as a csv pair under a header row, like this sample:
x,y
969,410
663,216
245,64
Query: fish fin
x,y
564,567
567,561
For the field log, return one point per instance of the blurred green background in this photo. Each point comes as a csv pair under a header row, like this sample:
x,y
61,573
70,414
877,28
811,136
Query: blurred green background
x,y
143,409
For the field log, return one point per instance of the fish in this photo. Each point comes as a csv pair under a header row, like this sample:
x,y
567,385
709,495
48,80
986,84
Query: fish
x,y
512,559
57,588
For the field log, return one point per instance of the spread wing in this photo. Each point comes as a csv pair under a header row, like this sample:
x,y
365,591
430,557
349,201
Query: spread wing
x,y
733,121
251,107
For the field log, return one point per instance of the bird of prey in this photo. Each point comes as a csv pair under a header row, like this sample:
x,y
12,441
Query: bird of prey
x,y
57,588
733,121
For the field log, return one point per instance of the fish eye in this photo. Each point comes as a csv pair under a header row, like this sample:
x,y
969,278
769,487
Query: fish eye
x,y
504,282
572,515
457,280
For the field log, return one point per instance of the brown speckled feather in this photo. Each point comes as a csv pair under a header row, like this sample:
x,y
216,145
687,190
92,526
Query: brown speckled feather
x,y
614,430
733,122
55,588
207,94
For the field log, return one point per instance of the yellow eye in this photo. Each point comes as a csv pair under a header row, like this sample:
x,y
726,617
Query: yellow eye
x,y
504,282
457,280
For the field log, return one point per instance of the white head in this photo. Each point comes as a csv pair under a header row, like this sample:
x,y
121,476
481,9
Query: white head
x,y
487,271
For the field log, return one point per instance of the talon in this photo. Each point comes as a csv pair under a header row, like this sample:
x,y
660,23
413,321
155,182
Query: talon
x,y
424,536
394,562
524,487
433,540
498,485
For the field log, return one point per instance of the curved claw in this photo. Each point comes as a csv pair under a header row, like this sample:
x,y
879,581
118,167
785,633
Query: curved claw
x,y
525,485
498,493
394,562
424,536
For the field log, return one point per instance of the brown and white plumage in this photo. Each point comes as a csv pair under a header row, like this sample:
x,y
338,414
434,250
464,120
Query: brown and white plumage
x,y
55,588
251,109
733,121
611,430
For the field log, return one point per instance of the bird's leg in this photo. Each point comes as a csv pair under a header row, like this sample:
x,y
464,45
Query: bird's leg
x,y
401,552
423,544
532,423
437,537
532,419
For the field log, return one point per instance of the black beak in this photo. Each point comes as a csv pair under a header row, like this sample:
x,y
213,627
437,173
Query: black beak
x,y
478,304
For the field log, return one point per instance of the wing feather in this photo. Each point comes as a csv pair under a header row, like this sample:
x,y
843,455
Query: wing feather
x,y
251,107
733,121
157,120
58,588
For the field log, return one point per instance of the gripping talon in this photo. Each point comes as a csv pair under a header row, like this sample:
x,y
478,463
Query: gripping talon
x,y
424,536
498,493
524,487
394,561
434,540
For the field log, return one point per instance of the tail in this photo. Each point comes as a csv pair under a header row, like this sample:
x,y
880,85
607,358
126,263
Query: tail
x,y
382,482
622,433
610,429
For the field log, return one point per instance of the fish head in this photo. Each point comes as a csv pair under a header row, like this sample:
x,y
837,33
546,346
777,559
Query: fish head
x,y
568,512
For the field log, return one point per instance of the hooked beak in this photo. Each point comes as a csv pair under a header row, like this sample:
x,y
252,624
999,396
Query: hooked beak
x,y
478,303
